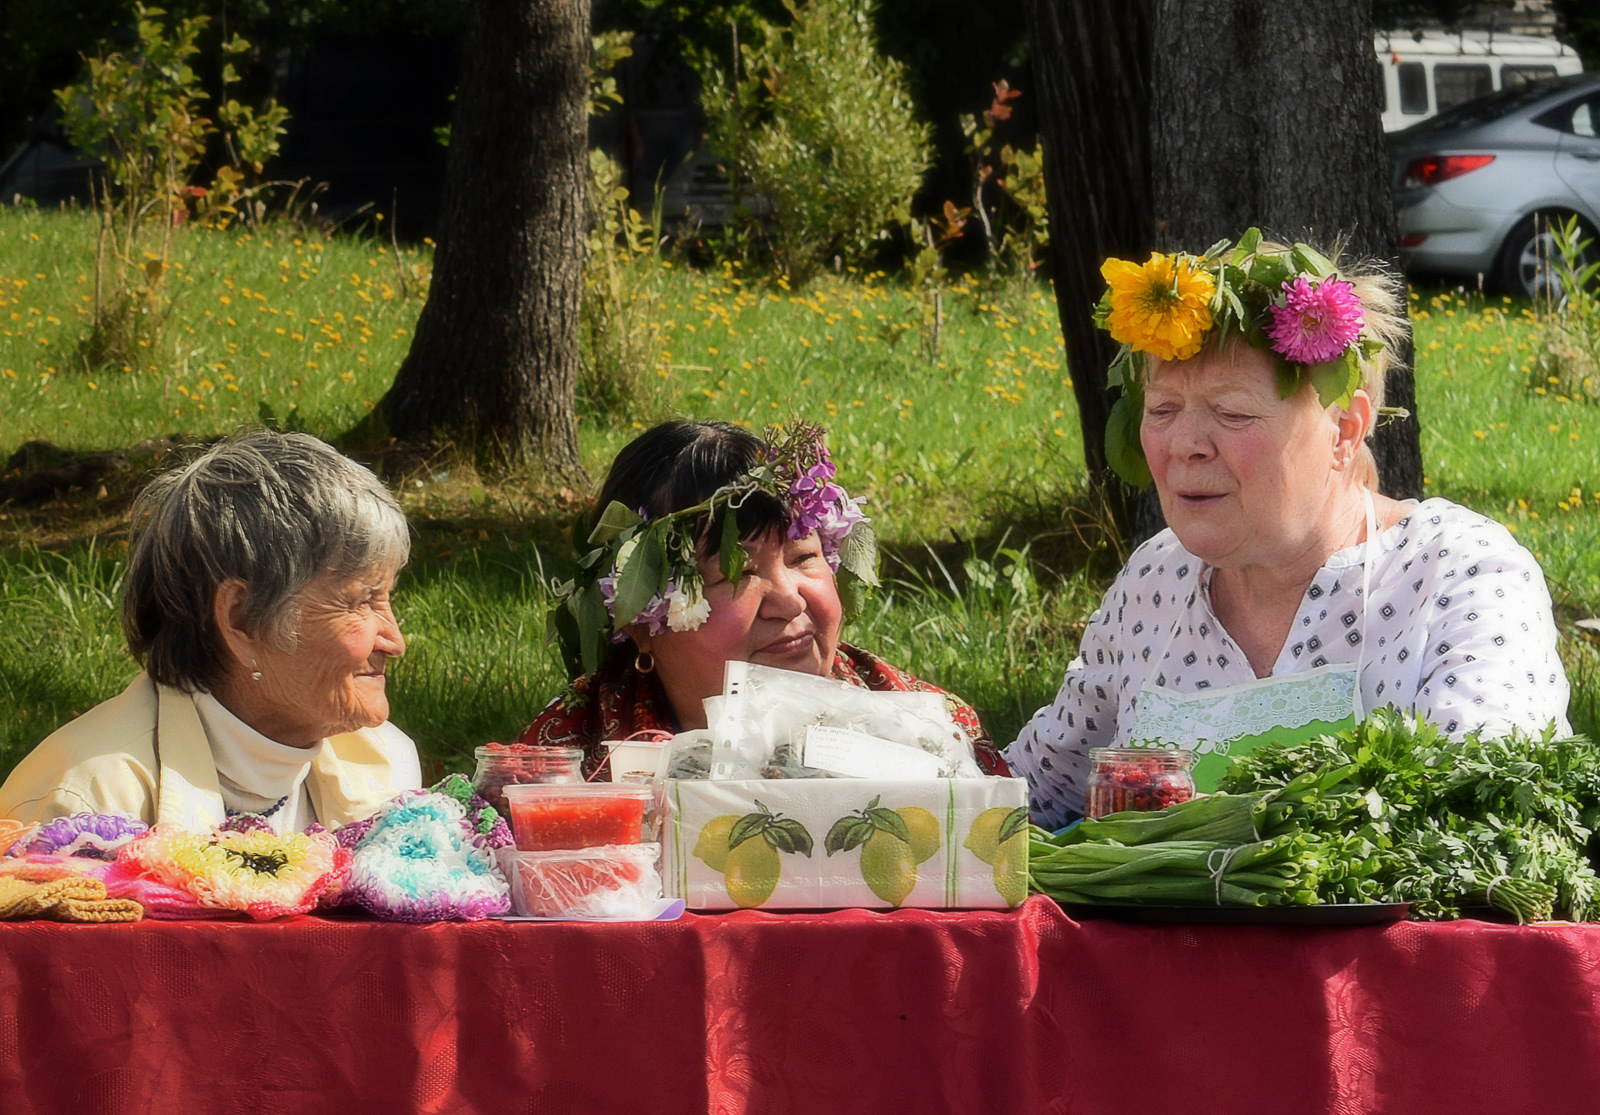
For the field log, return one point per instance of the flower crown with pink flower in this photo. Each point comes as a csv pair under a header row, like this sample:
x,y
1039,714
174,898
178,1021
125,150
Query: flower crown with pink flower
x,y
1288,301
647,571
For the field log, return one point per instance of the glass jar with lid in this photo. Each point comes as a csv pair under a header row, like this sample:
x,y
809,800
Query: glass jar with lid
x,y
1144,778
500,765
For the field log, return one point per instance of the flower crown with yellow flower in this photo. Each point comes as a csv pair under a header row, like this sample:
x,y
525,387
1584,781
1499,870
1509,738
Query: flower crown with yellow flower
x,y
1287,301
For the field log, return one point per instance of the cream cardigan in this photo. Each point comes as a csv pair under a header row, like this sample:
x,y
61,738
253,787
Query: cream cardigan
x,y
144,754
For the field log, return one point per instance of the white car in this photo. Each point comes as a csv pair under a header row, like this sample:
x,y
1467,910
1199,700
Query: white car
x,y
1478,188
1426,72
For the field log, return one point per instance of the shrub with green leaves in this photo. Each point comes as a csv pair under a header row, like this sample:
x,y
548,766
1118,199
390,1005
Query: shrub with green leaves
x,y
1569,348
141,113
821,126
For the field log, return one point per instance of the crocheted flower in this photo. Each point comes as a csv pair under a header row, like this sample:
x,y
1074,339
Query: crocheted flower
x,y
261,874
14,837
1161,307
1317,321
488,827
417,863
246,822
96,835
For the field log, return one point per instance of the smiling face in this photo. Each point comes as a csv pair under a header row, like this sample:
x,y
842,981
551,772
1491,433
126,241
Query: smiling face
x,y
783,612
1247,478
332,679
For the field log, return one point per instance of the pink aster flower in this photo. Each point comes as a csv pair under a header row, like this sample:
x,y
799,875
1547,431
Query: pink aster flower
x,y
1317,321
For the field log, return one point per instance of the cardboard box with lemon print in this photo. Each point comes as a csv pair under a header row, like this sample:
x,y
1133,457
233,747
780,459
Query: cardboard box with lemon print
x,y
793,844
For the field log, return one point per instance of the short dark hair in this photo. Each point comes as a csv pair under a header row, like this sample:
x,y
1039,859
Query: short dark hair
x,y
681,463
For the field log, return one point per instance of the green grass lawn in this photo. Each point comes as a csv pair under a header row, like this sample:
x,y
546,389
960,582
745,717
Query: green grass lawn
x,y
970,458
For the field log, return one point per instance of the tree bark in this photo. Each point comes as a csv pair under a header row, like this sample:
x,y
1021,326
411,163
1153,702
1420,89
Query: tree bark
x,y
495,358
1092,64
1267,114
1182,122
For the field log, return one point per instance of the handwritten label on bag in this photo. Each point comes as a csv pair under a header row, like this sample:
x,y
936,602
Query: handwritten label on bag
x,y
858,755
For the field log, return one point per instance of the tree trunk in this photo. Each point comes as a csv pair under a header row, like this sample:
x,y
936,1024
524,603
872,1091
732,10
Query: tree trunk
x,y
1266,114
1091,60
495,359
1198,119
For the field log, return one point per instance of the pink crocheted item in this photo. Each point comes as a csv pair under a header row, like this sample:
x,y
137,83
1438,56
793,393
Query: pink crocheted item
x,y
168,903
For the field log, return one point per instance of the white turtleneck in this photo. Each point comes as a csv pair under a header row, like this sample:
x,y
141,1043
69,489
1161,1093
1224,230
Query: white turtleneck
x,y
255,772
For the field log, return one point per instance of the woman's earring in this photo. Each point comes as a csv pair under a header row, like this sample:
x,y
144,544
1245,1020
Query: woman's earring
x,y
255,672
644,662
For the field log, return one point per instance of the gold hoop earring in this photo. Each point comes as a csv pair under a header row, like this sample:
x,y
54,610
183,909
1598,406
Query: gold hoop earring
x,y
644,662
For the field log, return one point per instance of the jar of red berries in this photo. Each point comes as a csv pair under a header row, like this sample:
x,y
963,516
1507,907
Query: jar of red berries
x,y
502,764
1123,778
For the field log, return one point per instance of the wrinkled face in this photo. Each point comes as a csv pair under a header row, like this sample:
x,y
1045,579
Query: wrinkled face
x,y
332,681
1245,477
783,612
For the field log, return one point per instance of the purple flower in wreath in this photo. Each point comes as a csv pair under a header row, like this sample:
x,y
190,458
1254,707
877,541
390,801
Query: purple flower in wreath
x,y
812,496
653,617
818,504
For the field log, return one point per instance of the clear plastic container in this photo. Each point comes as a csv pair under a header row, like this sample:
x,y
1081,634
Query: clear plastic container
x,y
1142,778
610,881
547,818
501,765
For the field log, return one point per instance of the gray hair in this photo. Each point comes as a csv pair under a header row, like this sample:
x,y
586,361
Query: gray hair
x,y
274,510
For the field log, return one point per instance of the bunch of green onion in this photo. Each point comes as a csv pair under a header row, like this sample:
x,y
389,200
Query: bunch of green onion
x,y
1254,849
1283,870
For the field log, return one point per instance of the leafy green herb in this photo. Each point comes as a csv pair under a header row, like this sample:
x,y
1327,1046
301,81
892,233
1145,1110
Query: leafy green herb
x,y
1391,810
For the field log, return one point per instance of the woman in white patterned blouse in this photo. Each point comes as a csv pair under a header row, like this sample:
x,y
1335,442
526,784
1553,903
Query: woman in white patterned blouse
x,y
1253,377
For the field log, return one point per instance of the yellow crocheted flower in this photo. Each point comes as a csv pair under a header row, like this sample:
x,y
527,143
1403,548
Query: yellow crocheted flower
x,y
1161,307
258,873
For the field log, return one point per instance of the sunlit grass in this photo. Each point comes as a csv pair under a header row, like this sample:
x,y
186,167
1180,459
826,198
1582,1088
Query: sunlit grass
x,y
967,457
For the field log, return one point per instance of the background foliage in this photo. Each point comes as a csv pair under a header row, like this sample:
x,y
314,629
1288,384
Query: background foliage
x,y
970,460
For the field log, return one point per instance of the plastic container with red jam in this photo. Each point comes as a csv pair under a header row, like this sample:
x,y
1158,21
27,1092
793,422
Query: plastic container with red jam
x,y
1138,778
546,818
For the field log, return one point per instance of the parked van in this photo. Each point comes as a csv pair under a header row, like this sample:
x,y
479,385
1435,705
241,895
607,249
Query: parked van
x,y
1420,77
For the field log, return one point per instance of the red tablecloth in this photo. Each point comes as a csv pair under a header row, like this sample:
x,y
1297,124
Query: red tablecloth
x,y
816,1013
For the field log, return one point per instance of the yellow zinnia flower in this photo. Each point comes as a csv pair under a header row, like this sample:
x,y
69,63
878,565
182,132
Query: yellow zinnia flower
x,y
1161,307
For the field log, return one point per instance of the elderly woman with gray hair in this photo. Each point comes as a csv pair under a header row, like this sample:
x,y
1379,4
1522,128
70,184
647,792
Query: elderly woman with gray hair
x,y
257,599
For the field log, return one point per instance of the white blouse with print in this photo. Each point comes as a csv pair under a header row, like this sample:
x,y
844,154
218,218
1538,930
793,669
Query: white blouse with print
x,y
1460,630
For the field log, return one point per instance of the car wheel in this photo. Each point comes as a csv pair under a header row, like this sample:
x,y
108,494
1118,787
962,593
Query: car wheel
x,y
1530,260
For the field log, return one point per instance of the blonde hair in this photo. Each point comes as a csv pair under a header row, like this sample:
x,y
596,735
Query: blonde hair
x,y
1384,321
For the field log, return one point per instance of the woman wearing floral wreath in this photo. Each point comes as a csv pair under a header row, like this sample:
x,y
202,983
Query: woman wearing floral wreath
x,y
1286,597
709,545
